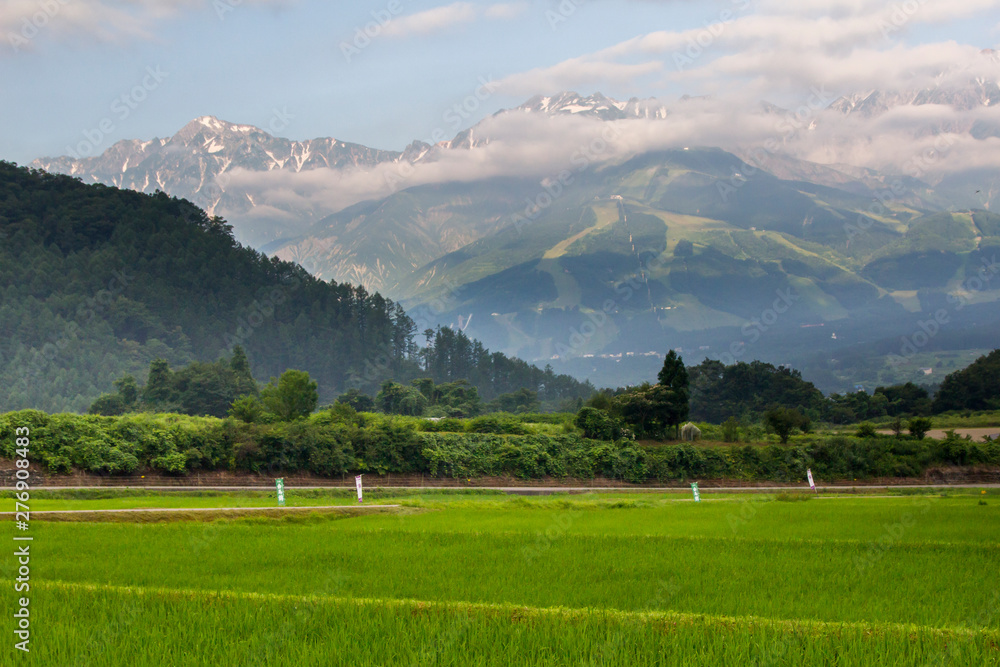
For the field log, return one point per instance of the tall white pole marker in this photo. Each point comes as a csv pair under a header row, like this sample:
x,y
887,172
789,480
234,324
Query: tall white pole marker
x,y
357,482
694,490
812,484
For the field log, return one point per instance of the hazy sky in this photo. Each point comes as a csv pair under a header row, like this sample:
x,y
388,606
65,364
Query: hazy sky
x,y
118,69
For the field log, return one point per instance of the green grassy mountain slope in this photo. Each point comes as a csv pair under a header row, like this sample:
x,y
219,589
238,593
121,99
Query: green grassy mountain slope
x,y
378,243
688,248
695,249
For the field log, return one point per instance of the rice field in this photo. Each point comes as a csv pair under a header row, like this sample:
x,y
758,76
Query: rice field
x,y
595,579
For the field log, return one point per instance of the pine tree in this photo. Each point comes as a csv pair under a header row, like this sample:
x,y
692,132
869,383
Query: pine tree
x,y
158,390
673,377
240,365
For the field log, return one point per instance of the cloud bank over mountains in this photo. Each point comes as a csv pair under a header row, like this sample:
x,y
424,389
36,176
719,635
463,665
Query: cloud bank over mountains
x,y
840,83
764,74
924,133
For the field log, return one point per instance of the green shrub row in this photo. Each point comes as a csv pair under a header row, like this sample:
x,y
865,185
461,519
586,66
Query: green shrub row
x,y
331,444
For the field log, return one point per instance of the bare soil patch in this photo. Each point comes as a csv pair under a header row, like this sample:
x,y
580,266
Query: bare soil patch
x,y
976,433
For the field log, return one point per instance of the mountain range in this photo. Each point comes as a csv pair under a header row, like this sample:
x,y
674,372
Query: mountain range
x,y
596,234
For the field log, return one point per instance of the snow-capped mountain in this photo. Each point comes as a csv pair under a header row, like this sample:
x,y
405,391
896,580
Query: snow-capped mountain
x,y
198,161
207,160
245,174
977,93
962,89
596,105
568,103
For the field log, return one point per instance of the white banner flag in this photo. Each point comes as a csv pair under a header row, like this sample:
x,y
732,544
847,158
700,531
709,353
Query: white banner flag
x,y
280,485
809,474
357,481
694,489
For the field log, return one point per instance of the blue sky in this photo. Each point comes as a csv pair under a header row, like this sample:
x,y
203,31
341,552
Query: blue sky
x,y
64,63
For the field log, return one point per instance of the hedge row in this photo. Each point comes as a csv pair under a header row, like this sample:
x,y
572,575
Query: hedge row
x,y
327,444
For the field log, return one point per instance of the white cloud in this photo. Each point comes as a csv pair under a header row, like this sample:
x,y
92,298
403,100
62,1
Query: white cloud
x,y
441,18
927,141
432,20
796,54
781,53
926,10
104,21
506,10
774,50
575,73
784,72
101,20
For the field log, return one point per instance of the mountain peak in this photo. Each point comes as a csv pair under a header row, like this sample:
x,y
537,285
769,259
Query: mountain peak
x,y
596,105
210,121
215,126
570,102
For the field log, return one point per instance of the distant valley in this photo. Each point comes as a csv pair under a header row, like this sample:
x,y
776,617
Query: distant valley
x,y
618,243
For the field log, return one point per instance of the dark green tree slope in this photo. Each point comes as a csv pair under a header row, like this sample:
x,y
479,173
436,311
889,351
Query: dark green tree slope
x,y
719,391
976,387
96,283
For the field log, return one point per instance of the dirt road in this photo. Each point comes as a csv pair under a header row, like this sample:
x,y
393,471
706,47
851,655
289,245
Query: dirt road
x,y
976,433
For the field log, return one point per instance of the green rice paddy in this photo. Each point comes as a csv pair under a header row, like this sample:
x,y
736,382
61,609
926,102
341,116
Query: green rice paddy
x,y
594,579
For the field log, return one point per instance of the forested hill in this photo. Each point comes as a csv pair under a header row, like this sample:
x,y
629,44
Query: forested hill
x,y
96,282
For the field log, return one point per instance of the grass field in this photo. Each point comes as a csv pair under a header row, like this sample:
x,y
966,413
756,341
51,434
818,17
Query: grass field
x,y
463,579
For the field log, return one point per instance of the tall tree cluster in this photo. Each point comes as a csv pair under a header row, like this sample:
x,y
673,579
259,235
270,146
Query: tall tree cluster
x,y
647,411
719,391
976,387
200,388
449,356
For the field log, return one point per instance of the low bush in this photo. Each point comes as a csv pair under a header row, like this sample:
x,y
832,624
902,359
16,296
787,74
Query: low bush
x,y
334,443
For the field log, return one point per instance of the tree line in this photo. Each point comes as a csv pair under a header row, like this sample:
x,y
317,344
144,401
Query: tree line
x,y
226,387
338,441
96,283
778,396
